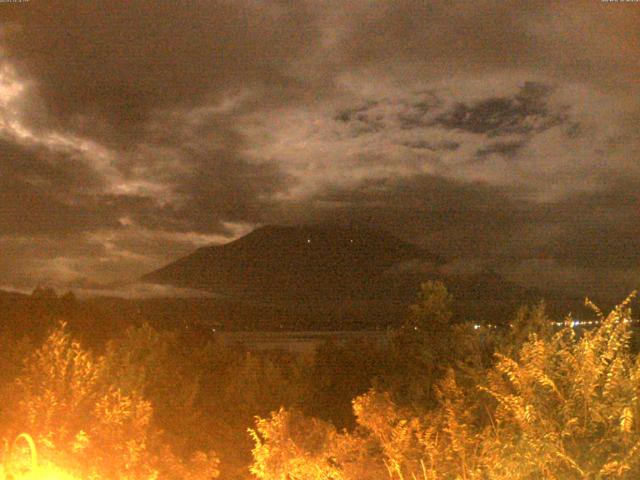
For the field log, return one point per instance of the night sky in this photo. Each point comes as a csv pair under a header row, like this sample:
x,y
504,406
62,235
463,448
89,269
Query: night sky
x,y
500,135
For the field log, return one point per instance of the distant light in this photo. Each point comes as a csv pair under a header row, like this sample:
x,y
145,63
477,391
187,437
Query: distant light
x,y
308,240
476,326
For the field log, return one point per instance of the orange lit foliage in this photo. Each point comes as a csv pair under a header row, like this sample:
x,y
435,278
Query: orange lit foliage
x,y
81,419
204,395
290,445
560,406
150,362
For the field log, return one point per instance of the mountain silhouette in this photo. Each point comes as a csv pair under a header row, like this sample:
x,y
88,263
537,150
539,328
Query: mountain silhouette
x,y
308,277
10,295
294,264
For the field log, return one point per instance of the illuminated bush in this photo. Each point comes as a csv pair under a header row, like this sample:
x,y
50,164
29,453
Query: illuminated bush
x,y
82,421
290,445
568,407
560,406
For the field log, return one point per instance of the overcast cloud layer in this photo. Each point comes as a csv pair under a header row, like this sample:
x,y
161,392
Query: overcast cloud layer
x,y
500,135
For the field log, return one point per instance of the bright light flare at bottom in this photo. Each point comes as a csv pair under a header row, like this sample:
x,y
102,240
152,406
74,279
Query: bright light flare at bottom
x,y
41,473
34,470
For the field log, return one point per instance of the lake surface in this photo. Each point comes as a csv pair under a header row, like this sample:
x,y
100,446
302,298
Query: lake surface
x,y
302,342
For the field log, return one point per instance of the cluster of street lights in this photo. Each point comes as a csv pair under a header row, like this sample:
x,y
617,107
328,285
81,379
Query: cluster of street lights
x,y
588,323
572,323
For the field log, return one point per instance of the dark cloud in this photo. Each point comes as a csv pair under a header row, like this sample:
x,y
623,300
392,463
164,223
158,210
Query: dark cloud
x,y
41,192
59,222
524,113
453,218
588,243
221,187
116,62
375,115
598,230
53,172
500,148
131,133
435,35
592,42
433,147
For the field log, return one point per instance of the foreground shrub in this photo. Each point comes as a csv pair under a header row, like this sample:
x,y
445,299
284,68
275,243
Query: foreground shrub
x,y
568,407
290,445
81,419
558,406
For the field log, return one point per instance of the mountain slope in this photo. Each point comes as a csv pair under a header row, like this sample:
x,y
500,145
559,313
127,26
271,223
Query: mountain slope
x,y
293,264
10,295
310,277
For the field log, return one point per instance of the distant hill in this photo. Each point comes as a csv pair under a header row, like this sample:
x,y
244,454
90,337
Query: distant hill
x,y
7,295
300,264
318,277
